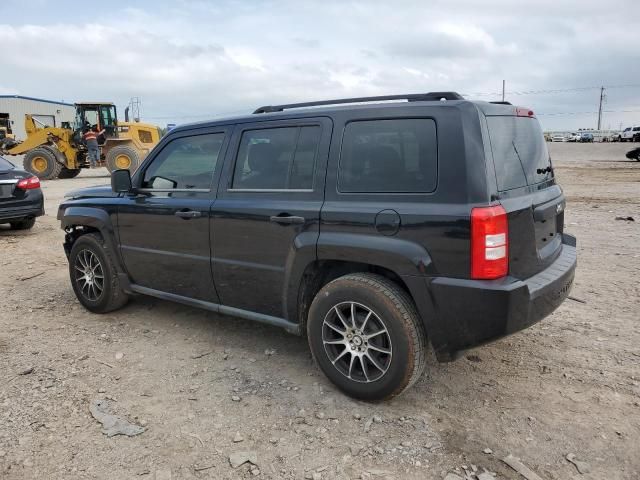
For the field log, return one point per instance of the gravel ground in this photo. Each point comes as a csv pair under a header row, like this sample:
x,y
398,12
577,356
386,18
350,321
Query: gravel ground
x,y
206,387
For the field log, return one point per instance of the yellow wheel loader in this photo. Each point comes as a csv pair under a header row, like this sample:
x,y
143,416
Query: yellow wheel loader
x,y
5,127
60,152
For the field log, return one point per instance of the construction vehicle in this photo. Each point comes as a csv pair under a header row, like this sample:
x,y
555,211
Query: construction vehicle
x,y
5,127
60,152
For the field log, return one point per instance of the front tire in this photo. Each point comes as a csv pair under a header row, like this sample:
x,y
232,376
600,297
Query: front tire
x,y
24,224
42,162
366,336
94,275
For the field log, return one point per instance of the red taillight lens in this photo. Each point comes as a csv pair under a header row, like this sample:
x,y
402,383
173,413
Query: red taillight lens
x,y
524,112
28,183
489,243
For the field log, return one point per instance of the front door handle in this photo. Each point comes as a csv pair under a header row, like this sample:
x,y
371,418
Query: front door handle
x,y
287,219
187,214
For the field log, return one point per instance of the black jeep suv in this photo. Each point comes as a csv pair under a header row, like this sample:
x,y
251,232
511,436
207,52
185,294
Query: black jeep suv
x,y
367,225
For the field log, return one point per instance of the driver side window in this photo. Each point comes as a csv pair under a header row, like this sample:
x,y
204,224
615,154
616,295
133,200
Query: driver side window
x,y
185,163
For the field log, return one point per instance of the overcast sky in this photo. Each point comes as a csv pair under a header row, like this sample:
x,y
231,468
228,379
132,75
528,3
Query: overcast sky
x,y
193,60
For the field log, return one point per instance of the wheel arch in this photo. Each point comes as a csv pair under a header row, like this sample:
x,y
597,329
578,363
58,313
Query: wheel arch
x,y
311,265
318,273
80,220
314,260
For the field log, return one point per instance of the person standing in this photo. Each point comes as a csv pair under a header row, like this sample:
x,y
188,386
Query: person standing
x,y
91,139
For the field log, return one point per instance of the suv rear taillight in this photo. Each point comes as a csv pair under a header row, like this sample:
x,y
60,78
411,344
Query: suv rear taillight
x,y
489,243
524,112
28,183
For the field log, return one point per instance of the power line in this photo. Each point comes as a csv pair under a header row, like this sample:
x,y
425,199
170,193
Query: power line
x,y
476,94
584,113
551,90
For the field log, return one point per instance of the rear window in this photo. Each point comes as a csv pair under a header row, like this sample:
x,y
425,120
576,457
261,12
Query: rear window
x,y
5,164
519,151
395,156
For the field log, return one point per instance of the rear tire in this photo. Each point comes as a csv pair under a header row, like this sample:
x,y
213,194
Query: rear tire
x,y
384,348
25,224
94,276
42,162
123,157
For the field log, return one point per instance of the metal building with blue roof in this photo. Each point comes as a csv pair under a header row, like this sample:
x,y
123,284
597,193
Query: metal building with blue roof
x,y
53,113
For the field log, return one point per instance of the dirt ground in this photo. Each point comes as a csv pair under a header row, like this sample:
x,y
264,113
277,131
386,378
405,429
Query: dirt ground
x,y
197,381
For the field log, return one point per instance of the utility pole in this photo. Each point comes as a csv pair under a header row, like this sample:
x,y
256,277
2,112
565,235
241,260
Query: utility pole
x,y
503,90
600,107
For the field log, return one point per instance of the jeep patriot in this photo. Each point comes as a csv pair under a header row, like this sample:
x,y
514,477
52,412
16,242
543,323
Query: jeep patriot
x,y
370,225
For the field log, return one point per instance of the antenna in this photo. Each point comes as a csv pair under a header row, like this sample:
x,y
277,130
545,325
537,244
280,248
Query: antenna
x,y
134,106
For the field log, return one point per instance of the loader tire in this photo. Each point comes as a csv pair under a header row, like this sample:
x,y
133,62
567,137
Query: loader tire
x,y
42,162
69,172
123,157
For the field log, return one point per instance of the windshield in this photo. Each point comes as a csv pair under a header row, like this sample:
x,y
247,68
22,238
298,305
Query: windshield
x,y
520,153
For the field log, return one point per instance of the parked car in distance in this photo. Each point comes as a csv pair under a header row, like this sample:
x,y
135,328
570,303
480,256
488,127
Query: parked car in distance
x,y
586,137
573,137
634,154
559,138
630,134
372,227
21,199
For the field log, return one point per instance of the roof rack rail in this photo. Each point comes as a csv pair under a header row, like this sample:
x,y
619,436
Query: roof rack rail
x,y
499,102
412,97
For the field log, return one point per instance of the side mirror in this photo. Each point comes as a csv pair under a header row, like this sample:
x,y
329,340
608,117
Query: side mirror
x,y
121,181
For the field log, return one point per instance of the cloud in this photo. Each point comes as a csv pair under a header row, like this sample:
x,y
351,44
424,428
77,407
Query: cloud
x,y
449,41
189,60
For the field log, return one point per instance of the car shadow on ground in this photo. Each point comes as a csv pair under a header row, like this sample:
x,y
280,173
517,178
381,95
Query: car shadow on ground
x,y
252,339
7,231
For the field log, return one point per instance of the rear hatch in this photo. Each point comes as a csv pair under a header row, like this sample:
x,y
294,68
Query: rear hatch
x,y
527,190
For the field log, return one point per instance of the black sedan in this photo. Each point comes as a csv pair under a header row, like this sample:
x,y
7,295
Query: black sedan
x,y
21,199
634,154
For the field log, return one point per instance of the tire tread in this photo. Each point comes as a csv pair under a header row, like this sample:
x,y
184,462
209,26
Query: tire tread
x,y
412,323
24,224
118,298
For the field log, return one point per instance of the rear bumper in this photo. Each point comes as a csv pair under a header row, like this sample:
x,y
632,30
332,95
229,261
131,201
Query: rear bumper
x,y
17,213
469,313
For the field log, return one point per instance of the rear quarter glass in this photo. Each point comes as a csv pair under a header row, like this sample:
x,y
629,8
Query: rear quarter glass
x,y
519,151
389,156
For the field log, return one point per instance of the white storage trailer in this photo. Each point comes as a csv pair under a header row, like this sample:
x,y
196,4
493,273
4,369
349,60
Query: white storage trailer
x,y
47,112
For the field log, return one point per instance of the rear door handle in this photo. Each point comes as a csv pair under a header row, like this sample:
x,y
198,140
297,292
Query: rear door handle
x,y
287,219
187,214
